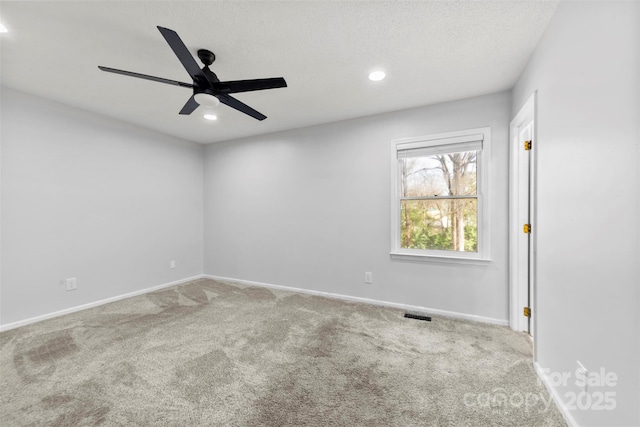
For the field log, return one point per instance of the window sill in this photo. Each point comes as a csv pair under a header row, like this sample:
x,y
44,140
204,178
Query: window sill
x,y
402,256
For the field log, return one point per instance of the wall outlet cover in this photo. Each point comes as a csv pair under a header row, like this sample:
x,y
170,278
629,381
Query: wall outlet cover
x,y
71,283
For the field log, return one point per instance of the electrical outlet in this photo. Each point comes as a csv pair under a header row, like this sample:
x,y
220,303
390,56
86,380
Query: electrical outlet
x,y
368,277
71,283
581,376
172,264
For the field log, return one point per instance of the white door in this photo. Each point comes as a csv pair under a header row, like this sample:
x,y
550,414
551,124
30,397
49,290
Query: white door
x,y
522,227
524,214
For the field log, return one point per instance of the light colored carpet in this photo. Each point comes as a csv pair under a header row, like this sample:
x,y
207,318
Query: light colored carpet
x,y
219,354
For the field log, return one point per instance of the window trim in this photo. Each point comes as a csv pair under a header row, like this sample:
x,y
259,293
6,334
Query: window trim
x,y
482,191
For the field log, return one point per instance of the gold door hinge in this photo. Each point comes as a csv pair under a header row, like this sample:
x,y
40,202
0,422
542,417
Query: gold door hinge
x,y
527,228
527,145
527,312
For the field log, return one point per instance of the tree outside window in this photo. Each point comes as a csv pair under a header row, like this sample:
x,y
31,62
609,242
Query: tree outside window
x,y
431,216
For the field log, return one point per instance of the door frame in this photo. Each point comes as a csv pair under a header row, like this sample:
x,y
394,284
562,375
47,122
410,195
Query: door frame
x,y
517,289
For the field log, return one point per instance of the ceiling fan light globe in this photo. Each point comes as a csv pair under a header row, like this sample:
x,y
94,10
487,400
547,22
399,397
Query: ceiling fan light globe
x,y
206,99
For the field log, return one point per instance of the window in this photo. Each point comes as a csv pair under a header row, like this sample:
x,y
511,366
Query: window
x,y
439,198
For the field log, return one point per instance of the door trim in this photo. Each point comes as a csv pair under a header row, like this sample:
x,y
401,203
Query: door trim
x,y
517,290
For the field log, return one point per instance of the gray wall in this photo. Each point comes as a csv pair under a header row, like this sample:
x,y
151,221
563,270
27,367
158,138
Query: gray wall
x,y
310,208
586,71
89,197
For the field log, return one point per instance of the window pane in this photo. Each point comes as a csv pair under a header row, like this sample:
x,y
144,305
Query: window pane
x,y
452,174
447,225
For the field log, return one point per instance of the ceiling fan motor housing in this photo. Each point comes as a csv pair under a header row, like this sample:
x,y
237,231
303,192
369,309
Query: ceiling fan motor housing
x,y
210,75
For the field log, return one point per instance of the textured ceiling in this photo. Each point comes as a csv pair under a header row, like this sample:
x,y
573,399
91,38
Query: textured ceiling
x,y
431,51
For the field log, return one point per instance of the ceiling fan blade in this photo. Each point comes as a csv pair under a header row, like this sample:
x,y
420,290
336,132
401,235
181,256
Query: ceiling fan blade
x,y
244,108
190,106
249,85
183,54
144,76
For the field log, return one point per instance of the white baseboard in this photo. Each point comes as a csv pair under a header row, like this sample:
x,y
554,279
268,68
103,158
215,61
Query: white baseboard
x,y
566,414
40,318
433,311
445,313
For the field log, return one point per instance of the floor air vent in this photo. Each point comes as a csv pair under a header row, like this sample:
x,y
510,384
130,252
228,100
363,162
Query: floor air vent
x,y
417,316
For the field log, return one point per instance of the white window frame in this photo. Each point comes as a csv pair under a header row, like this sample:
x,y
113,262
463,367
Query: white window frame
x,y
483,181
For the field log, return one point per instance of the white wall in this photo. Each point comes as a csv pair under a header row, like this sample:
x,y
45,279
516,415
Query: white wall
x,y
89,197
309,208
586,71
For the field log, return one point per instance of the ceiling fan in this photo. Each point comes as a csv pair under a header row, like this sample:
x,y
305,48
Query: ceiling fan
x,y
207,88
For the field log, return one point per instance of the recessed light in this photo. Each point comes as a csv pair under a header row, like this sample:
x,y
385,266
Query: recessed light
x,y
210,117
3,29
376,76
